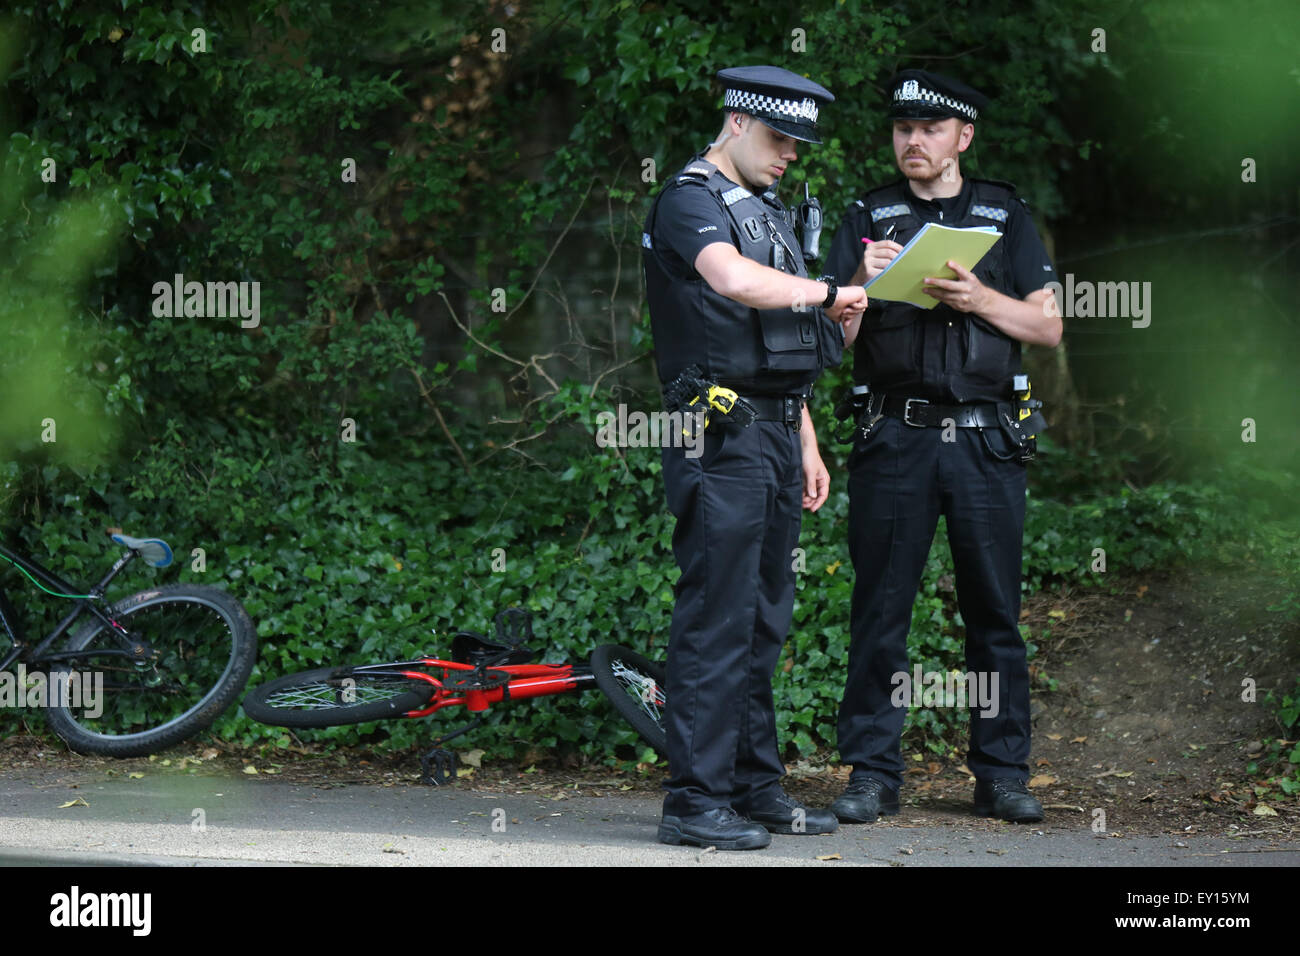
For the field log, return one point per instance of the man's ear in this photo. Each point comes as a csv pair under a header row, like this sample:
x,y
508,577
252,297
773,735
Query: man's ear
x,y
964,138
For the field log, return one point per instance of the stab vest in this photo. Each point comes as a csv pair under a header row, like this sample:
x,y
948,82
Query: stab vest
x,y
762,351
939,354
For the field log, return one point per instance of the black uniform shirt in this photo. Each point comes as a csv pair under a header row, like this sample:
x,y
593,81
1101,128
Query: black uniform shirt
x,y
689,218
1031,269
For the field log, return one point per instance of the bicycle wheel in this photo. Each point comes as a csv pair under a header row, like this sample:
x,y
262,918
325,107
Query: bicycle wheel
x,y
635,686
206,647
330,696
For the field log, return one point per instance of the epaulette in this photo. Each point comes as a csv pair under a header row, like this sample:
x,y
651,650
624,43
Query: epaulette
x,y
879,189
1010,187
995,182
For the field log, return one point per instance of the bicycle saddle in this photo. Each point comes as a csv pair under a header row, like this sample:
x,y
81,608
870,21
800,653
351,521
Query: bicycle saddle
x,y
153,550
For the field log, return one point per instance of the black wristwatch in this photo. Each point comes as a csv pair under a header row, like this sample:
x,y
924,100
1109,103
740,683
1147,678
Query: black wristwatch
x,y
830,296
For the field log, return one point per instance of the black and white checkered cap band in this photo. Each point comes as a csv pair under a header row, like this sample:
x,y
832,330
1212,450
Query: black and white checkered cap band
x,y
760,104
911,91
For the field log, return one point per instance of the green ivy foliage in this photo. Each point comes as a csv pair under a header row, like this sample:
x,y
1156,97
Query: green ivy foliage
x,y
227,158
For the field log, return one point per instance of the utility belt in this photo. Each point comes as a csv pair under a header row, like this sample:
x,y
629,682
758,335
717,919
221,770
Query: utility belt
x,y
690,393
1019,420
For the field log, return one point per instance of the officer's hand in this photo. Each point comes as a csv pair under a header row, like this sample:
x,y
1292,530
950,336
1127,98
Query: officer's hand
x,y
850,303
964,293
877,255
816,479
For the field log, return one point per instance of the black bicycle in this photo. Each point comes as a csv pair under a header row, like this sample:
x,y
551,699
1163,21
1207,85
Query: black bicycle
x,y
142,674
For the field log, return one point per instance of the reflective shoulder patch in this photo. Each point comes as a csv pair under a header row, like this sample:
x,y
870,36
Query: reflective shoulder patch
x,y
735,195
646,241
860,204
696,171
889,212
989,212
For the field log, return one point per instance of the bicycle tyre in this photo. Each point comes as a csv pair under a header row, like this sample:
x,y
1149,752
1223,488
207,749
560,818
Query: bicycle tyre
x,y
319,698
208,647
622,675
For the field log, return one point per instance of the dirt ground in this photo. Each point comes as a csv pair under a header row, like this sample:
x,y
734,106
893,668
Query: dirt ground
x,y
1146,725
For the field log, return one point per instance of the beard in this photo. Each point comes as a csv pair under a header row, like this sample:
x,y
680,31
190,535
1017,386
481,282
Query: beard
x,y
927,171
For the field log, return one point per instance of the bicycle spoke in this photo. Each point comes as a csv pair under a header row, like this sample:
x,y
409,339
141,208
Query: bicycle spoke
x,y
645,689
345,692
193,647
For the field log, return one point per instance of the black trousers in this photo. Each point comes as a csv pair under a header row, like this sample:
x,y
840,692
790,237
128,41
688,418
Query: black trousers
x,y
901,478
738,516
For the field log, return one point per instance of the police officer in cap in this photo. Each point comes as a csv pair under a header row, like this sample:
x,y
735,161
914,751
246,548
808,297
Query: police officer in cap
x,y
940,431
731,306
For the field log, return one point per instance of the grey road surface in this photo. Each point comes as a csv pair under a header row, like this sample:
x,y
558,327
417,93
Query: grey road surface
x,y
206,820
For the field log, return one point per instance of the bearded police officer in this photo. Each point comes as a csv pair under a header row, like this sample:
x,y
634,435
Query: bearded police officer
x,y
942,426
735,318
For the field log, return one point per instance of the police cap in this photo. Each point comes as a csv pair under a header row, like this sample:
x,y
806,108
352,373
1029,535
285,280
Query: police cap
x,y
785,101
918,94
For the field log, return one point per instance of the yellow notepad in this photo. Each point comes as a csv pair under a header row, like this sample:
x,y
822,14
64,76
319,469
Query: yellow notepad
x,y
924,256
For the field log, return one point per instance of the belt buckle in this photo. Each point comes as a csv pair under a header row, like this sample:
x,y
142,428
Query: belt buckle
x,y
907,411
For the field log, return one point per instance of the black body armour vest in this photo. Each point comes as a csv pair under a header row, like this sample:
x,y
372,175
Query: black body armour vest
x,y
755,351
939,354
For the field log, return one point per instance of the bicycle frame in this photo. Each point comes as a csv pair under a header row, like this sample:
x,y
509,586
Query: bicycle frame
x,y
20,648
523,681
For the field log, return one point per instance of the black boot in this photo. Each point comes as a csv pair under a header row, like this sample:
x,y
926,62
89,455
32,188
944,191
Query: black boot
x,y
722,828
864,801
1007,799
784,814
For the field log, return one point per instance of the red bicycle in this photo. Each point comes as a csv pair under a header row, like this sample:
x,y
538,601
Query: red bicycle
x,y
481,673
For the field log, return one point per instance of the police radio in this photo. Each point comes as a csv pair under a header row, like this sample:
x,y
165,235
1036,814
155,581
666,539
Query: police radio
x,y
810,225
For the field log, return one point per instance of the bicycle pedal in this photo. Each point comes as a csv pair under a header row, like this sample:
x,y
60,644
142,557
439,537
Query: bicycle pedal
x,y
438,765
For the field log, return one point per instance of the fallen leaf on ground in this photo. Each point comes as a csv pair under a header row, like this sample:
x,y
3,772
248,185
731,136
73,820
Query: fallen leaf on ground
x,y
1053,736
831,856
73,803
1041,780
1263,810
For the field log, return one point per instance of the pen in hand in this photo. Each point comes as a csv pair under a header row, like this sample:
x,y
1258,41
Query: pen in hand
x,y
889,234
